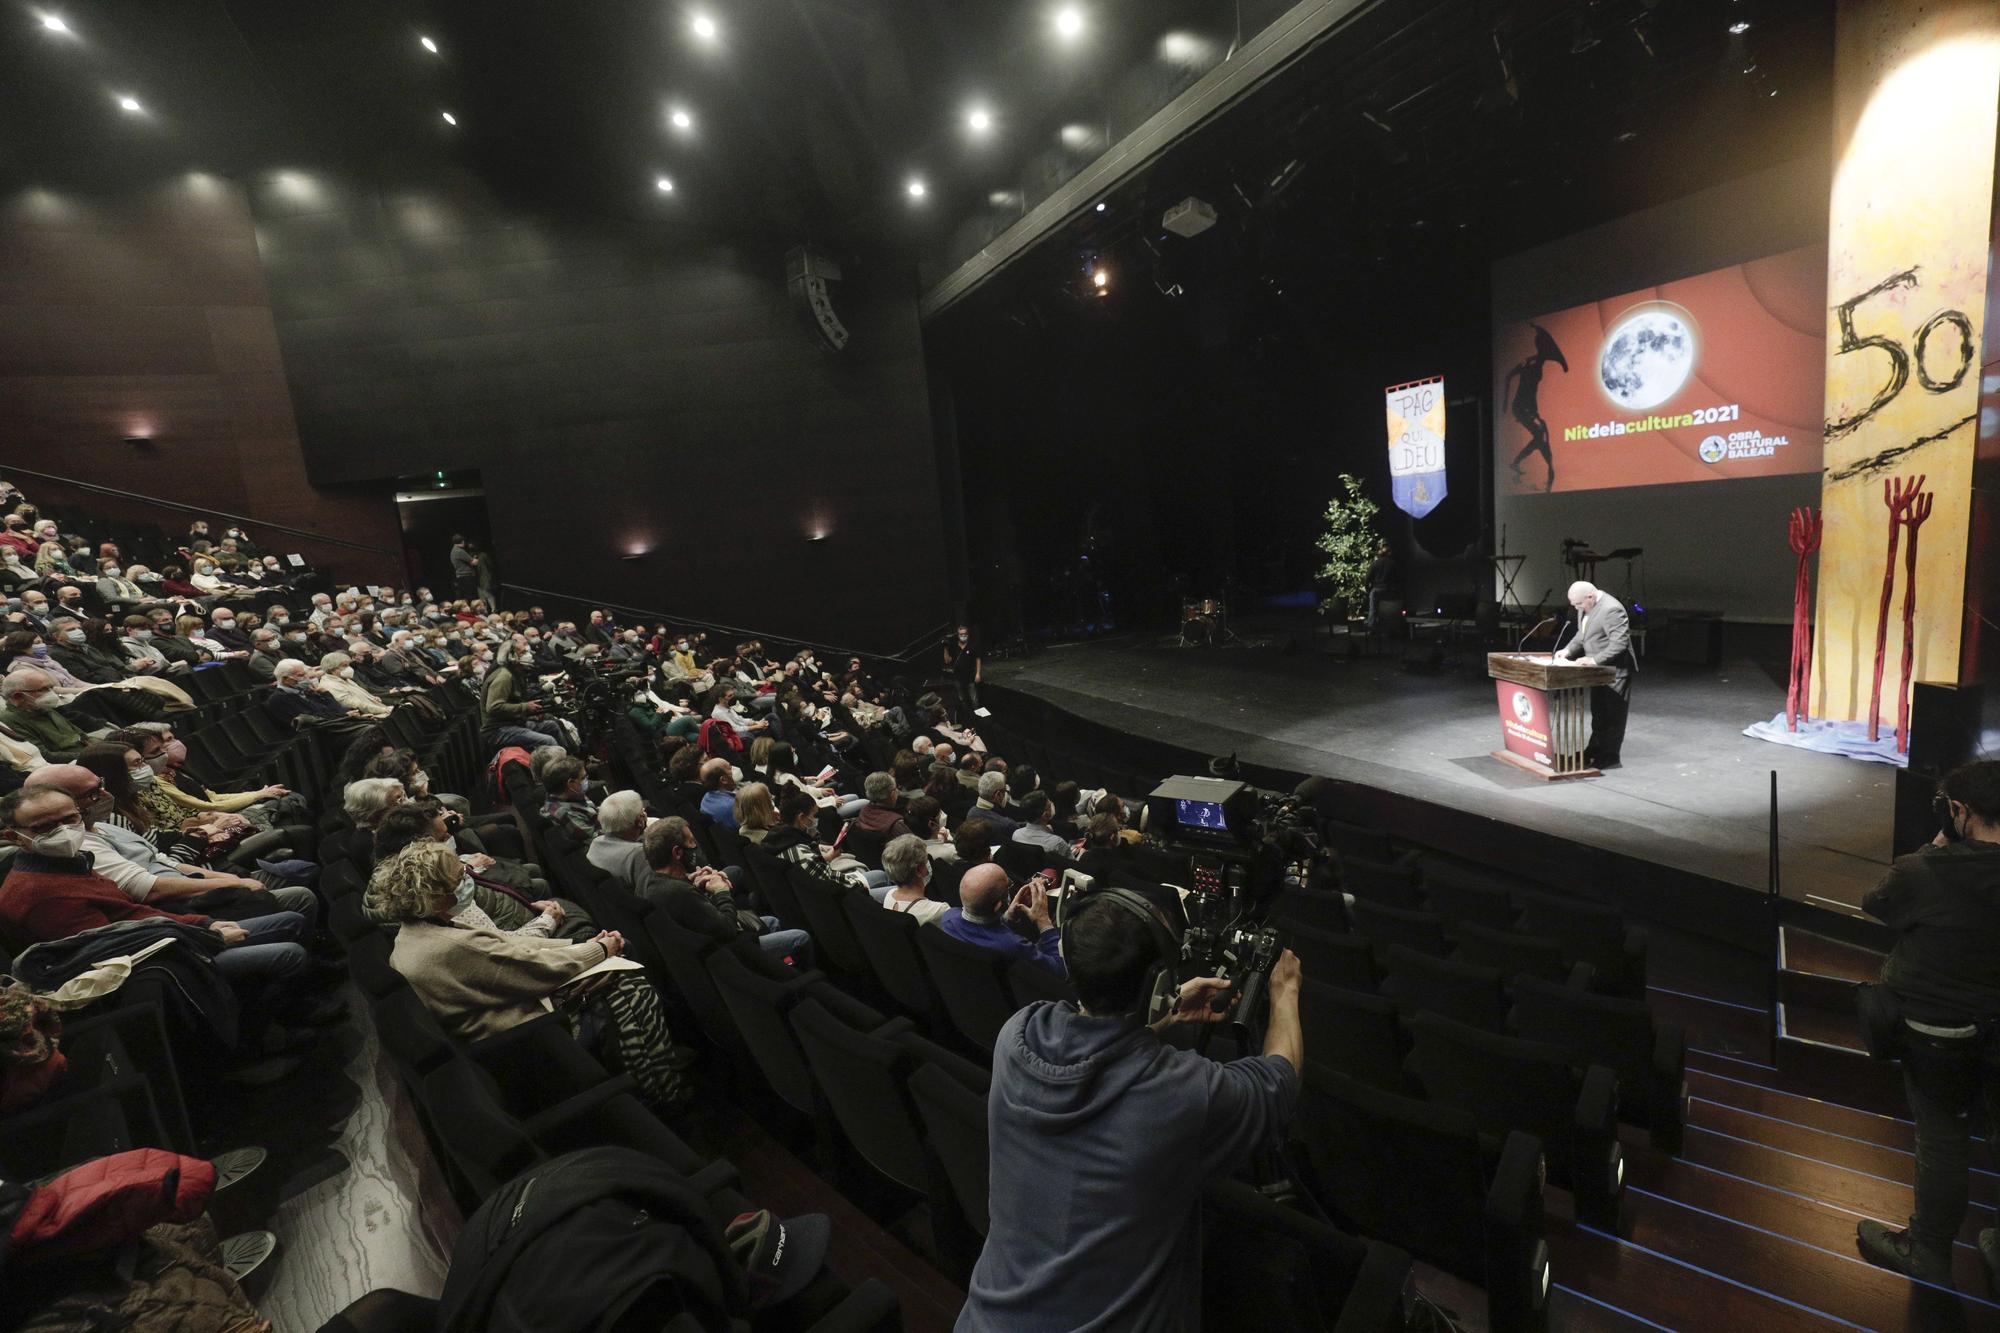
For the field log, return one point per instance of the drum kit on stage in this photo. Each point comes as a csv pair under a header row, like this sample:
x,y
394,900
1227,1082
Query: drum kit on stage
x,y
1205,620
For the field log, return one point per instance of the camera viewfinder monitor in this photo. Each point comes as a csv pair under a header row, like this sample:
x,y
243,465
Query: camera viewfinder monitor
x,y
1209,812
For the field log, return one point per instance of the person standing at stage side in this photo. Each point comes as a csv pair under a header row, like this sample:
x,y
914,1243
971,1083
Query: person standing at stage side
x,y
1943,902
962,658
1381,580
1603,638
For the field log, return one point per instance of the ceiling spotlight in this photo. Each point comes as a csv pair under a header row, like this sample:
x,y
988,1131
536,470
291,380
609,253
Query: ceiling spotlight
x,y
54,23
428,45
1738,28
1069,22
449,119
1100,278
916,188
1102,206
979,120
129,103
704,27
663,185
681,119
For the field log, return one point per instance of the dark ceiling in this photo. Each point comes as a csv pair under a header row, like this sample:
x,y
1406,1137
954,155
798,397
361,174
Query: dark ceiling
x,y
1473,125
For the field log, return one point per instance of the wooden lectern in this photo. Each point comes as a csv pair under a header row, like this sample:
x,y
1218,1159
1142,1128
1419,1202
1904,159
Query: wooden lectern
x,y
1544,712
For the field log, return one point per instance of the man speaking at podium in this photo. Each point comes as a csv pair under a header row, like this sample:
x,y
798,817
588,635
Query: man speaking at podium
x,y
1603,638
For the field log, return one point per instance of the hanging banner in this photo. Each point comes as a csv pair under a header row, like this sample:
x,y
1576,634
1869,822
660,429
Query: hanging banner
x,y
1416,445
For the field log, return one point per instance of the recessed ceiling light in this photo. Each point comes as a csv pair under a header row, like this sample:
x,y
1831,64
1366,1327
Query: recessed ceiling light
x,y
449,119
1738,28
129,103
663,185
979,119
428,45
704,27
1102,206
916,188
1069,22
681,119
54,23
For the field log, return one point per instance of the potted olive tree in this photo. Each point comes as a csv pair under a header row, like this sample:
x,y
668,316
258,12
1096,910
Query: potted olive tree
x,y
1348,545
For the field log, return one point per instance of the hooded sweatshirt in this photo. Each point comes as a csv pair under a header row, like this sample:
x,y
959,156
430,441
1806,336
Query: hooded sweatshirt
x,y
1944,905
1102,1137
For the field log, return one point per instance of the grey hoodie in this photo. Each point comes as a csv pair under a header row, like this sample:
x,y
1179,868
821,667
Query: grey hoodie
x,y
1102,1138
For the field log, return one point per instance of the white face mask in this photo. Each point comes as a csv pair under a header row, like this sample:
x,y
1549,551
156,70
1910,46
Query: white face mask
x,y
60,843
141,776
347,673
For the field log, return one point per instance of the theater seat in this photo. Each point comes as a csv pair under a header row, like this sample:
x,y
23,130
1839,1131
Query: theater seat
x,y
1343,960
952,1109
1431,1182
1464,897
890,941
1592,934
1422,931
1393,883
1650,1060
1460,991
1507,1084
1514,954
1295,1271
1358,1035
864,1077
972,982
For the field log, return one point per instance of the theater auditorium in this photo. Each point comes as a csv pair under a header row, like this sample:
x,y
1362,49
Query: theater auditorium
x,y
1021,665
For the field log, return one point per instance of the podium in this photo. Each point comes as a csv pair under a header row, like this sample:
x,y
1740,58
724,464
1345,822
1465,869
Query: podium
x,y
1544,712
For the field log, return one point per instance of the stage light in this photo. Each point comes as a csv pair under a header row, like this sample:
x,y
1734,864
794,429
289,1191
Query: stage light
x,y
130,103
979,120
1069,23
1100,278
704,27
1102,206
681,119
1738,28
663,185
916,188
54,23
428,45
449,119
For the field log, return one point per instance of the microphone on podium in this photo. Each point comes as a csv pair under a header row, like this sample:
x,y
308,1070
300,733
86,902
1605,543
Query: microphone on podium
x,y
1557,646
1532,632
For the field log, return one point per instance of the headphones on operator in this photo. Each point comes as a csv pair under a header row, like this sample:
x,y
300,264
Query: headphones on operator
x,y
1166,945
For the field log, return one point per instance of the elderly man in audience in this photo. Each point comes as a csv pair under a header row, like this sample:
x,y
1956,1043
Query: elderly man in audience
x,y
718,792
567,806
30,715
337,681
296,700
992,805
989,909
618,849
479,981
701,898
882,814
135,640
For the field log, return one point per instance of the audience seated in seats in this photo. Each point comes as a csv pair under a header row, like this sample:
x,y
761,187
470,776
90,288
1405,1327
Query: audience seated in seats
x,y
1036,810
619,847
755,815
989,907
796,839
907,863
426,821
53,893
992,806
479,981
1090,1107
718,792
702,899
337,681
504,714
30,715
926,819
881,816
566,806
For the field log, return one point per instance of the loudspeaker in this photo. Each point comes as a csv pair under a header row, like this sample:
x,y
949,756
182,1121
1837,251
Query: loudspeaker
x,y
1916,824
1944,726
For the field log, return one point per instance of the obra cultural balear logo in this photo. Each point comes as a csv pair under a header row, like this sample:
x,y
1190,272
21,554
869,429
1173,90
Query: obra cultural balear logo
x,y
1714,449
1524,707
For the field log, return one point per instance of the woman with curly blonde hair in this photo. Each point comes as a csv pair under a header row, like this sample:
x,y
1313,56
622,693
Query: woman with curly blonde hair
x,y
480,981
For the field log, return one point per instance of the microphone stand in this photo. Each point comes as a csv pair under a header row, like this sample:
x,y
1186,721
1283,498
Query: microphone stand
x,y
1532,630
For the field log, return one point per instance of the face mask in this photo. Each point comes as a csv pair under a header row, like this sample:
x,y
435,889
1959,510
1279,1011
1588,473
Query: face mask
x,y
114,573
39,650
73,635
347,673
420,782
60,843
158,763
281,620
226,622
142,634
175,754
35,608
141,776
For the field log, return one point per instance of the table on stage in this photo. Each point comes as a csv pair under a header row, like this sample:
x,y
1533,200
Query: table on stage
x,y
1544,712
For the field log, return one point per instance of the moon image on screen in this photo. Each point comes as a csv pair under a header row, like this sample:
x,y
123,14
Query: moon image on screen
x,y
1647,356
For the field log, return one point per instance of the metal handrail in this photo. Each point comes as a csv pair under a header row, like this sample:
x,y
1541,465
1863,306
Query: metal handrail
x,y
205,511
904,654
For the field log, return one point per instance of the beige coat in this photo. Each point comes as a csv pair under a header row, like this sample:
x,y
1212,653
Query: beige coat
x,y
482,982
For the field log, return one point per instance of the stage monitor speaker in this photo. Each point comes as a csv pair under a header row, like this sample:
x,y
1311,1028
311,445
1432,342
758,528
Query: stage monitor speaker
x,y
1916,824
1944,726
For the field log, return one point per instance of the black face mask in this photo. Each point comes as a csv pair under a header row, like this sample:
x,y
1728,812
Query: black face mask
x,y
692,859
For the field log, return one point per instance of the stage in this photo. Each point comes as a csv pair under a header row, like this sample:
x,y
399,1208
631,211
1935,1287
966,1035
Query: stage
x,y
1693,793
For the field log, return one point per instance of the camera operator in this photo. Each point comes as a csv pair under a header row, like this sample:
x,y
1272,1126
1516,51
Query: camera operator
x,y
1944,971
1103,1136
